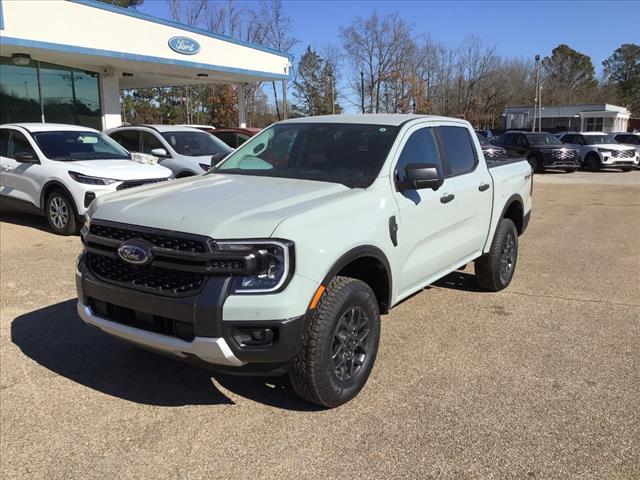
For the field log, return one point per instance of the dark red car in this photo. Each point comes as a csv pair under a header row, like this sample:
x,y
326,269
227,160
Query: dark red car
x,y
234,137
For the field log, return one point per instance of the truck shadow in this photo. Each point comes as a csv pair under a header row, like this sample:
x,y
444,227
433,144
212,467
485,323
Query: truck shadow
x,y
458,280
57,339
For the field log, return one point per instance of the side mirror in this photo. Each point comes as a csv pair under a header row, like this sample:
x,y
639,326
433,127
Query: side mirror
x,y
159,152
26,157
216,157
420,176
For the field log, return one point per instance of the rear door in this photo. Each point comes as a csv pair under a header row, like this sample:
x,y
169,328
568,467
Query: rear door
x,y
469,189
129,139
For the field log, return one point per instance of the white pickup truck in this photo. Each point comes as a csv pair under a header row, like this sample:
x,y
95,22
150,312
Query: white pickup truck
x,y
283,256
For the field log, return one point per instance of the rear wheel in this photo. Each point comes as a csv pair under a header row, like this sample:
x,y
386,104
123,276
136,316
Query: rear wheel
x,y
570,170
494,270
60,213
626,169
592,162
341,344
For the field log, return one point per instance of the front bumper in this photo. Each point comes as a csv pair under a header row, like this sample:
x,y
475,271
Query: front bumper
x,y
188,328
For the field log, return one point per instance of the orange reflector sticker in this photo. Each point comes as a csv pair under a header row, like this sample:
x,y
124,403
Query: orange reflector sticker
x,y
316,297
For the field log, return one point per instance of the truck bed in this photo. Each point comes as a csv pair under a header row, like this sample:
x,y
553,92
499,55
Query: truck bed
x,y
492,163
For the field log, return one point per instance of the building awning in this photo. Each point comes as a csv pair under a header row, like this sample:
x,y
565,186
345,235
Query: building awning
x,y
139,50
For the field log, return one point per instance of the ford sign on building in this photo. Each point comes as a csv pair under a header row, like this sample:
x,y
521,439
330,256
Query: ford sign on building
x,y
53,73
184,45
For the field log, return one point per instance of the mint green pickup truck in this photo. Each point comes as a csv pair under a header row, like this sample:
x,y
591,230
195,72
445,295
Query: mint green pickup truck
x,y
282,258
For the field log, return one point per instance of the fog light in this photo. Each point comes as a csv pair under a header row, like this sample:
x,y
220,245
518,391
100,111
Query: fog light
x,y
254,337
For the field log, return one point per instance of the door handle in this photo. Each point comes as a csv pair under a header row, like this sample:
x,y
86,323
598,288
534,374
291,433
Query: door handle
x,y
447,197
483,187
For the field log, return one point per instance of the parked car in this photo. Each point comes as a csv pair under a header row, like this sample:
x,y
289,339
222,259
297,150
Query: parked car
x,y
598,150
58,170
630,139
234,137
486,133
185,151
491,152
541,149
254,267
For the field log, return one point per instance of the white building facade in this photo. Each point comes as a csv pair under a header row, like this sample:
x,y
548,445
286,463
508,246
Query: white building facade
x,y
584,118
66,61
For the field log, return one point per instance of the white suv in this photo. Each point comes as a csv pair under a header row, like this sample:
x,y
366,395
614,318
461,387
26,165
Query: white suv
x,y
185,151
59,170
600,150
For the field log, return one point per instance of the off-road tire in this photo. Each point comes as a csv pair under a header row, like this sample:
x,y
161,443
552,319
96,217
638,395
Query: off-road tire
x,y
312,371
537,164
61,213
626,169
488,266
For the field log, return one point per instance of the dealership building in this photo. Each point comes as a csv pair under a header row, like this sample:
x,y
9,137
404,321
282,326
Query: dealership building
x,y
600,117
66,61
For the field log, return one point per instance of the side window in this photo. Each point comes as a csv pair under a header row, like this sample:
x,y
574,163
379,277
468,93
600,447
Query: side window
x,y
149,142
522,141
129,139
241,138
4,142
510,139
458,150
579,140
419,148
18,143
568,139
228,138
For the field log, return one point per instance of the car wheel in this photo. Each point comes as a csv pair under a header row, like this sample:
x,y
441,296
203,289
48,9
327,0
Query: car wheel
x,y
570,170
536,164
592,162
340,346
626,169
494,270
60,213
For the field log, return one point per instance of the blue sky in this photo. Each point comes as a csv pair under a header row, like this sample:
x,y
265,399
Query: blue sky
x,y
516,29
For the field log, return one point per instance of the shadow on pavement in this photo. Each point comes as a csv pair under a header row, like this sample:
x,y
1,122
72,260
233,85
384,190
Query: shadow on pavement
x,y
57,339
25,219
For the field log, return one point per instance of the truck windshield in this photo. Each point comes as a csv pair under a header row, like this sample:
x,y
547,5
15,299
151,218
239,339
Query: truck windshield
x,y
599,139
350,154
195,143
542,139
78,145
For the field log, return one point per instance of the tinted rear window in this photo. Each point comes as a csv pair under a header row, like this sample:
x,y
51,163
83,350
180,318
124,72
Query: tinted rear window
x,y
458,149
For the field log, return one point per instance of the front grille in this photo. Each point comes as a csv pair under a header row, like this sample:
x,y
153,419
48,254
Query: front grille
x,y
563,154
138,183
623,153
162,281
495,153
144,321
172,242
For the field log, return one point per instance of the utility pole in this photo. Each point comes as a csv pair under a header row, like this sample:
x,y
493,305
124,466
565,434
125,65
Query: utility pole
x,y
537,99
540,108
333,94
362,89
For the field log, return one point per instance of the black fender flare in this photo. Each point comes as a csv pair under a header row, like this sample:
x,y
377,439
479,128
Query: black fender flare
x,y
513,199
362,252
61,186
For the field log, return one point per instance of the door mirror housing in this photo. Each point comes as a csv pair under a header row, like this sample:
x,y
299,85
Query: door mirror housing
x,y
216,157
419,176
26,157
159,152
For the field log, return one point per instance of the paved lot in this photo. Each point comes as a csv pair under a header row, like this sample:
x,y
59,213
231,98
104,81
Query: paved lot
x,y
539,381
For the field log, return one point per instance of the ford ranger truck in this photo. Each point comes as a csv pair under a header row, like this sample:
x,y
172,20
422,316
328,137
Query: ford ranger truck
x,y
282,257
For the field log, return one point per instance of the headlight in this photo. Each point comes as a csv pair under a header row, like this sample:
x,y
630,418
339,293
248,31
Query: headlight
x,y
605,150
276,264
81,178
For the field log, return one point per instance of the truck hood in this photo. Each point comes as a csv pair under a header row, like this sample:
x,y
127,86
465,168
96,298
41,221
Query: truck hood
x,y
221,206
119,169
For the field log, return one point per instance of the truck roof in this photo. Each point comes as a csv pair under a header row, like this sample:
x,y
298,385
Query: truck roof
x,y
49,127
391,119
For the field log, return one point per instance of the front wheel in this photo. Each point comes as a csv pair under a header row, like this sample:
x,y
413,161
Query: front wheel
x,y
536,164
626,169
340,346
60,213
592,163
494,270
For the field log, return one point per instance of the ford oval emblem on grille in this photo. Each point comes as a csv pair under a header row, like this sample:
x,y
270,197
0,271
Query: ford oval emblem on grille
x,y
137,252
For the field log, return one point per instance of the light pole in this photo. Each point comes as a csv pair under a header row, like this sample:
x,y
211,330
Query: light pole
x,y
537,99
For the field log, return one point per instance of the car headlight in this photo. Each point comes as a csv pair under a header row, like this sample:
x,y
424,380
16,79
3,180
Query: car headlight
x,y
605,150
275,267
82,178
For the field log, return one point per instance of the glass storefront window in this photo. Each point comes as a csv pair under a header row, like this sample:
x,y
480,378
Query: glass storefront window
x,y
68,95
19,96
